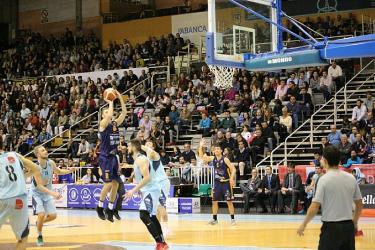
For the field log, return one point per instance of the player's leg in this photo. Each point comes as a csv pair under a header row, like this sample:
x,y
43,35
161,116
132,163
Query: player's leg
x,y
120,198
112,198
228,195
216,196
105,170
39,211
19,221
50,208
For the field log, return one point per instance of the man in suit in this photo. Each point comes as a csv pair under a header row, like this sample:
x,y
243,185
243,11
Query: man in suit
x,y
242,157
291,189
250,189
270,186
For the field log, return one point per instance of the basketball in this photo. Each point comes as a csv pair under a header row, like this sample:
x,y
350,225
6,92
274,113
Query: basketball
x,y
110,94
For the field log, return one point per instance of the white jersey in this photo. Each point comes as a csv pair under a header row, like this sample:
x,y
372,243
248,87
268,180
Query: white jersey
x,y
12,178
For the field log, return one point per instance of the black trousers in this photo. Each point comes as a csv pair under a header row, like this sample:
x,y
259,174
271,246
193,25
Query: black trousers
x,y
120,198
294,194
273,199
337,236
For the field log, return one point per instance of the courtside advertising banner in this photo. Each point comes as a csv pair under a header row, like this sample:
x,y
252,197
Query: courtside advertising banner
x,y
61,188
368,196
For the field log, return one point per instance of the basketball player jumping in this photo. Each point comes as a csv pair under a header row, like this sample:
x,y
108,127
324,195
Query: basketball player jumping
x,y
43,204
162,179
108,159
150,189
225,174
13,193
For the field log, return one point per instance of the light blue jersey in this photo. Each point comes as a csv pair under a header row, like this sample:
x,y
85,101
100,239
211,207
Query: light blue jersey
x,y
12,179
46,173
152,185
159,170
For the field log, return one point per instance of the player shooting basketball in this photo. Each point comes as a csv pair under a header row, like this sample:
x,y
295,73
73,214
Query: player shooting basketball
x,y
108,159
225,173
43,204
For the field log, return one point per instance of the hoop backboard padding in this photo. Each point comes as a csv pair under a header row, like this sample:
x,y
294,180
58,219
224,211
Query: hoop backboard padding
x,y
353,47
287,60
223,76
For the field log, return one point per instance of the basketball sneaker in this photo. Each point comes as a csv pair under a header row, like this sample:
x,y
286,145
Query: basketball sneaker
x,y
100,212
39,241
116,214
162,246
109,214
213,222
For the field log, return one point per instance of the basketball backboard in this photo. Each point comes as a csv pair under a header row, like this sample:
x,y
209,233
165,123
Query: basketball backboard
x,y
234,31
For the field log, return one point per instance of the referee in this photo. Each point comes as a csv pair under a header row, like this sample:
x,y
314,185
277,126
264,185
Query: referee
x,y
335,193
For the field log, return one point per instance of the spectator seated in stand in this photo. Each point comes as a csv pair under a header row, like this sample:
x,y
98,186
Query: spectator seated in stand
x,y
188,154
241,159
354,159
67,178
370,152
89,178
359,146
359,115
205,125
335,72
269,190
334,137
291,188
83,150
228,123
345,148
295,110
251,190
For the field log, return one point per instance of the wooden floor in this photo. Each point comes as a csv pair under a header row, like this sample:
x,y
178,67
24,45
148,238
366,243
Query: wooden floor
x,y
80,229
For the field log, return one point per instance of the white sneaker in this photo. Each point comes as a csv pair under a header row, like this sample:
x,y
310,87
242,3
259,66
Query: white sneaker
x,y
233,222
213,222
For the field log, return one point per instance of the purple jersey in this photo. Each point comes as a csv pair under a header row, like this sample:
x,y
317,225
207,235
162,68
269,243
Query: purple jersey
x,y
221,169
109,141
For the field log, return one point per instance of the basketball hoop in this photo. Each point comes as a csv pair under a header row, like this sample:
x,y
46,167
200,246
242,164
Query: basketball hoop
x,y
223,76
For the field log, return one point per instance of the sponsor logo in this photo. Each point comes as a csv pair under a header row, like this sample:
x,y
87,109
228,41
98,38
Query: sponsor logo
x,y
192,29
73,194
369,199
137,197
11,159
280,60
86,194
96,194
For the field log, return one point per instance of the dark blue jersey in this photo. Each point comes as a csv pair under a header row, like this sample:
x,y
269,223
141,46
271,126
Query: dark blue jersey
x,y
109,141
221,169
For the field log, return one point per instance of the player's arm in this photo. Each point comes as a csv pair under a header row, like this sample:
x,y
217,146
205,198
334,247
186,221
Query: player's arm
x,y
34,171
357,212
232,170
106,120
202,155
151,153
60,171
144,168
311,212
120,119
126,165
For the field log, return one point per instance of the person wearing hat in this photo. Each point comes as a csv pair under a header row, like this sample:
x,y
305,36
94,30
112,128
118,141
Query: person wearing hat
x,y
359,115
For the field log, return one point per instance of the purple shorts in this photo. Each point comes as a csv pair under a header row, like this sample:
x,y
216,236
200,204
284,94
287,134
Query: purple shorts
x,y
222,191
110,168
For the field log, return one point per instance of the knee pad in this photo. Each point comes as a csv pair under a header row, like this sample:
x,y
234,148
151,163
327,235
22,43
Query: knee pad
x,y
145,217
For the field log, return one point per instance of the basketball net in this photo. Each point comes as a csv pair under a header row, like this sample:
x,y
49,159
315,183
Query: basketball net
x,y
223,76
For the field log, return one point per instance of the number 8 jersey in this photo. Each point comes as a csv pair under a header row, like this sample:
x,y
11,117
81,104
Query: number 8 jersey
x,y
12,179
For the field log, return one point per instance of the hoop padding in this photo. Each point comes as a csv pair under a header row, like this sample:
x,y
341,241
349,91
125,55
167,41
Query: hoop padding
x,y
223,76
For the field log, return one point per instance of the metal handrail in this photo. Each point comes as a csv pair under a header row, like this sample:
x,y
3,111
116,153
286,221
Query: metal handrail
x,y
269,157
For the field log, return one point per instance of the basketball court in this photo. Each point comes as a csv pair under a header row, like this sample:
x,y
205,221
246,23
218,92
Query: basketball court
x,y
81,229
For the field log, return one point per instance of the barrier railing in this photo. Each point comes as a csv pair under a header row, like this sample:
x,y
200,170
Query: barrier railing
x,y
195,175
